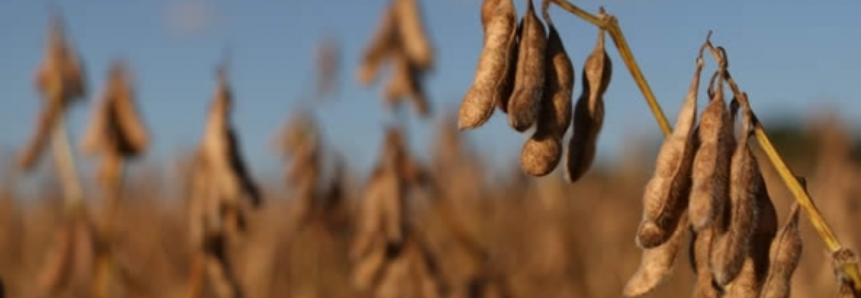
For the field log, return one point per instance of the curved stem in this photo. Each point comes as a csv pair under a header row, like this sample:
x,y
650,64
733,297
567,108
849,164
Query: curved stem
x,y
609,23
66,164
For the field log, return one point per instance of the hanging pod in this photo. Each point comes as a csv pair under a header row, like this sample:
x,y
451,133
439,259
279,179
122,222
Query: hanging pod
x,y
490,82
588,112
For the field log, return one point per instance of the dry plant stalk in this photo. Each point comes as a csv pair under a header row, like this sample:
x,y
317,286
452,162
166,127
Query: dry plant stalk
x,y
115,133
711,169
60,80
784,254
736,226
524,104
543,151
490,83
666,195
589,112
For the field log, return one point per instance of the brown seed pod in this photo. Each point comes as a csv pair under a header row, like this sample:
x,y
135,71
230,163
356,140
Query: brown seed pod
x,y
413,35
666,195
525,101
541,153
116,127
753,273
405,81
489,83
222,184
710,190
656,263
737,224
383,43
588,112
60,80
699,252
61,73
382,207
784,255
508,84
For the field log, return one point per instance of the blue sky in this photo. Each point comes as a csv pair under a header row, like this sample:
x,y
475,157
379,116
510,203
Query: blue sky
x,y
790,58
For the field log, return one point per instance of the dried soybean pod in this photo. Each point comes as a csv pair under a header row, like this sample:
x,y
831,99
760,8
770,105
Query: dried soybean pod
x,y
666,196
541,153
60,80
405,82
784,254
413,34
493,65
525,101
656,264
754,271
740,216
588,112
508,84
383,43
710,190
700,249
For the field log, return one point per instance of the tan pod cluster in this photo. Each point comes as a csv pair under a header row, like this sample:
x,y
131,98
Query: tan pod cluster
x,y
736,249
401,38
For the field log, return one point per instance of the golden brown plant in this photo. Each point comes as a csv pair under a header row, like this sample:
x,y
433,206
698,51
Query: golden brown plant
x,y
524,104
491,74
588,112
543,151
666,195
221,189
116,131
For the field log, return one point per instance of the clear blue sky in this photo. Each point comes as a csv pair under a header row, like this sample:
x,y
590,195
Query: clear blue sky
x,y
790,56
